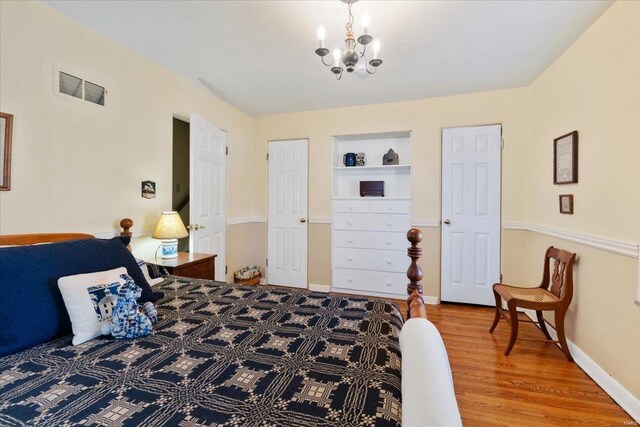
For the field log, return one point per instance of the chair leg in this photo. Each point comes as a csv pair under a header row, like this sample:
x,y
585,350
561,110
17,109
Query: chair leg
x,y
559,316
542,324
496,319
514,327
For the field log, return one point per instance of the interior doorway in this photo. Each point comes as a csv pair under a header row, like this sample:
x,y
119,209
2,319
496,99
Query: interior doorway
x,y
180,176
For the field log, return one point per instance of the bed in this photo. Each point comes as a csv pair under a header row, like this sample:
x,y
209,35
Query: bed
x,y
232,355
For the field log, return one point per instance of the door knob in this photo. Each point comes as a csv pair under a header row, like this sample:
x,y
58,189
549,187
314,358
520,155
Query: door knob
x,y
446,221
303,220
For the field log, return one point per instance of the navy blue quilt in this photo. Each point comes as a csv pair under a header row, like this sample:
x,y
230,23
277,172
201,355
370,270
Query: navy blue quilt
x,y
222,355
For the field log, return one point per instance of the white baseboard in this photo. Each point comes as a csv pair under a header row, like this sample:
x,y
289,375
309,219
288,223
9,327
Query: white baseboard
x,y
319,288
428,299
613,388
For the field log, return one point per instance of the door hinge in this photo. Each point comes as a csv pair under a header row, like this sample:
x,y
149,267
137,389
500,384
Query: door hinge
x,y
266,262
226,151
267,157
500,277
501,143
226,269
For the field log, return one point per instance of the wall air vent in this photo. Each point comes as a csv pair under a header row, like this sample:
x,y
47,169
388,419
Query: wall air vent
x,y
79,88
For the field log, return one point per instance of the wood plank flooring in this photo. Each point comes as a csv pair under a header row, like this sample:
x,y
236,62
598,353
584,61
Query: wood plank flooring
x,y
533,386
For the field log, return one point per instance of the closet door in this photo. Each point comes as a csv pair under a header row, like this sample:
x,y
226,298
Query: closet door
x,y
471,171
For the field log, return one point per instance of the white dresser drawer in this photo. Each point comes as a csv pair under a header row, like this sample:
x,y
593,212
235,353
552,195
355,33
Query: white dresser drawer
x,y
373,222
396,241
369,281
351,206
391,206
369,259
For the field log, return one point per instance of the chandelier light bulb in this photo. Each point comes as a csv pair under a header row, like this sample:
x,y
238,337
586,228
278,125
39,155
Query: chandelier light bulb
x,y
376,48
336,57
321,35
365,24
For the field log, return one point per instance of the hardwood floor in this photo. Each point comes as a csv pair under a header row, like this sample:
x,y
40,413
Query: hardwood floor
x,y
533,386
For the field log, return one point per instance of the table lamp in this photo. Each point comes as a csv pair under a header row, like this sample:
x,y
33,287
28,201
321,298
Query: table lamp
x,y
170,228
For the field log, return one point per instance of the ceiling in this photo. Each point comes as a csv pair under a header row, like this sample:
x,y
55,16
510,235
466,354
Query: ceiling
x,y
259,55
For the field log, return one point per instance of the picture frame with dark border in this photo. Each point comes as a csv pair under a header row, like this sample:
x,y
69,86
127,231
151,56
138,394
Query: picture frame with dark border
x,y
566,204
6,134
565,159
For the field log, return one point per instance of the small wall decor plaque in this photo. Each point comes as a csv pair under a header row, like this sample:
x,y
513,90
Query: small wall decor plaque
x,y
148,189
6,129
361,159
565,159
391,158
566,204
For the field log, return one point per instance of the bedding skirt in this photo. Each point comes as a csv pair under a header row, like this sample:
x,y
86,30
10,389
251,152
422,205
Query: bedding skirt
x,y
223,355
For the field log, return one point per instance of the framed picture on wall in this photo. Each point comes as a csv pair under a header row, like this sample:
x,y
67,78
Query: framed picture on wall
x,y
565,159
6,130
566,204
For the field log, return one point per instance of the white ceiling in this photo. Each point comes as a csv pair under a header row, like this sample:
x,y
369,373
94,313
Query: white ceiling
x,y
259,55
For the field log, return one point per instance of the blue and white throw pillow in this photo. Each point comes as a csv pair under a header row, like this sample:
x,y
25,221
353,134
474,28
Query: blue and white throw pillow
x,y
90,299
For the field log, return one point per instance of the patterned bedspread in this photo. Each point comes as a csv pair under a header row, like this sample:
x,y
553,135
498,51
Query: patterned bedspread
x,y
220,355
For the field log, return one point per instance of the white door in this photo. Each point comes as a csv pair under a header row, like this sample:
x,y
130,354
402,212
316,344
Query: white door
x,y
287,221
207,183
471,170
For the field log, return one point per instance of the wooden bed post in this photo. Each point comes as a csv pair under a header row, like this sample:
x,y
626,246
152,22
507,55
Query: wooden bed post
x,y
414,273
126,224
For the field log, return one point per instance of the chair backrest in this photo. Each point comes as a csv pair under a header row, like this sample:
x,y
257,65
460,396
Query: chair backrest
x,y
559,281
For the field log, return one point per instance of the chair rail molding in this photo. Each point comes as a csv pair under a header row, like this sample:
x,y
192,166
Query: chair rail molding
x,y
320,219
246,220
610,245
426,222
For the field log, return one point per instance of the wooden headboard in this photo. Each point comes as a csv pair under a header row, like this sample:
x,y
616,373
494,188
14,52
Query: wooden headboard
x,y
32,239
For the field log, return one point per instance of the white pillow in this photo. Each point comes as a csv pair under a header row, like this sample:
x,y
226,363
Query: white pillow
x,y
145,271
90,299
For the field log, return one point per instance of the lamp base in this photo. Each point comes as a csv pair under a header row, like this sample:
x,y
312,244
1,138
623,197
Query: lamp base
x,y
170,249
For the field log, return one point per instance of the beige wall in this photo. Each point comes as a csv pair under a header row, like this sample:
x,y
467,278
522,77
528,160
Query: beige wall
x,y
594,87
78,166
425,118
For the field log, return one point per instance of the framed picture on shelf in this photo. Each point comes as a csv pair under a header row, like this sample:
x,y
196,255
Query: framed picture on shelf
x,y
566,204
565,158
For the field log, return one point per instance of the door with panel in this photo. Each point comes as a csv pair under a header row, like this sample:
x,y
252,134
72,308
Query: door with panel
x,y
287,214
207,185
471,217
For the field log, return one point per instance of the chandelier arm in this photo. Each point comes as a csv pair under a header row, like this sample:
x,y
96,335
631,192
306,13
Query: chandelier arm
x,y
322,59
364,50
339,76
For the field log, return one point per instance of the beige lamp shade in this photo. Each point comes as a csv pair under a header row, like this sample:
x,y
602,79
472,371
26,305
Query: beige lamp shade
x,y
170,226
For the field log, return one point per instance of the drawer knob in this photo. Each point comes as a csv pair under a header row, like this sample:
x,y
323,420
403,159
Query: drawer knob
x,y
388,223
388,242
388,261
388,283
350,207
389,208
349,258
350,222
349,279
350,240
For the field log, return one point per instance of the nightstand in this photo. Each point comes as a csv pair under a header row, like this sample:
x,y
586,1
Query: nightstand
x,y
196,266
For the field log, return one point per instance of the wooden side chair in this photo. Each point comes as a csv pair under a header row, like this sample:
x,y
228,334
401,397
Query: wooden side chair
x,y
542,298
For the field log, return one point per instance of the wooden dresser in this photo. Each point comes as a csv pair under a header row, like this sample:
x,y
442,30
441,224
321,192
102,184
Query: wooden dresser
x,y
197,266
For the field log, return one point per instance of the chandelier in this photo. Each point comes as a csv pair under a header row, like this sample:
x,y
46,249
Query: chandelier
x,y
350,55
